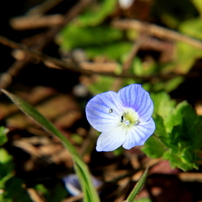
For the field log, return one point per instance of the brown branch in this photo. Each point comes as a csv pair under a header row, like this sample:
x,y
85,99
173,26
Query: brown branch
x,y
68,17
35,18
137,44
35,22
68,64
35,196
83,67
157,31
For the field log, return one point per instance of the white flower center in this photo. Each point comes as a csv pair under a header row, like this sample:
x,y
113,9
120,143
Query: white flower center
x,y
129,118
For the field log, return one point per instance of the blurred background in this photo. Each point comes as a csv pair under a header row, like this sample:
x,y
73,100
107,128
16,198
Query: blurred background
x,y
77,49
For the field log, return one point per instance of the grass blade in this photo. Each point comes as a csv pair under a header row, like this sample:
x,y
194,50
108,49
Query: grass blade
x,y
137,187
81,169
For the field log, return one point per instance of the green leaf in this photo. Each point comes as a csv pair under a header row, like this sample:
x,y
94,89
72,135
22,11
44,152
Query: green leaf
x,y
90,193
96,15
118,151
113,50
140,68
160,128
173,83
101,85
153,148
176,160
3,136
137,187
164,107
70,36
178,133
190,129
190,157
55,193
186,56
185,139
41,188
77,138
6,165
198,5
137,67
192,27
14,191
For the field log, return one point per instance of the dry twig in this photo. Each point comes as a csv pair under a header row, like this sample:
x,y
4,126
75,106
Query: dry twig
x,y
157,31
68,64
36,21
35,196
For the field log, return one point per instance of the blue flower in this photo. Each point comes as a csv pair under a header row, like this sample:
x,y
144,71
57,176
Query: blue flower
x,y
123,118
72,184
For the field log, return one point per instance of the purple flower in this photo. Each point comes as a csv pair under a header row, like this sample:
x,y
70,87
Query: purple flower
x,y
123,118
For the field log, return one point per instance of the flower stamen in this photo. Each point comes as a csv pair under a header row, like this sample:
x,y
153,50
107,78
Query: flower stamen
x,y
130,117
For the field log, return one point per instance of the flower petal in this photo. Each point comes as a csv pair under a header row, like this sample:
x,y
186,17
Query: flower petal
x,y
72,184
106,112
103,111
134,96
138,135
112,139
